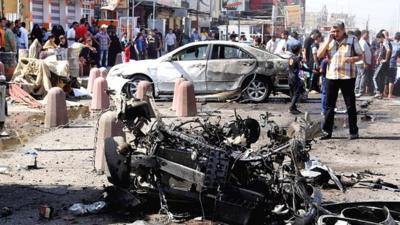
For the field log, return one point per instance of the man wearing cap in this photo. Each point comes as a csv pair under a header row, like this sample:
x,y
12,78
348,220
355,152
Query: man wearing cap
x,y
342,51
104,41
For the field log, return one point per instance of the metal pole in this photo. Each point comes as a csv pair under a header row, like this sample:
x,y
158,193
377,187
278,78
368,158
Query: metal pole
x,y
197,16
227,26
239,24
133,17
154,14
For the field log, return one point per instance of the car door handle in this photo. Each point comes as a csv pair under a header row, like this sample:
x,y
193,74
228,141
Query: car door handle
x,y
247,64
199,65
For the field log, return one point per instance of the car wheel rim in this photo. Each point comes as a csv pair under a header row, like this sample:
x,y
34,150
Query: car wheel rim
x,y
257,90
133,87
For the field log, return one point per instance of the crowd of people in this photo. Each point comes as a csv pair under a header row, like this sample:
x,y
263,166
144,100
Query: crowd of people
x,y
344,62
100,43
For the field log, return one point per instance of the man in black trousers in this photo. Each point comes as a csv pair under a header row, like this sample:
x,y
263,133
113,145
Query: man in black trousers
x,y
342,51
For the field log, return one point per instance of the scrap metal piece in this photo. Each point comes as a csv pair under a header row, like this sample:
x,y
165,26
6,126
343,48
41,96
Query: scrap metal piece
x,y
182,172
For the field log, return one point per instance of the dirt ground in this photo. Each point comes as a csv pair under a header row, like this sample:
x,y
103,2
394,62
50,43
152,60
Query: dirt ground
x,y
65,157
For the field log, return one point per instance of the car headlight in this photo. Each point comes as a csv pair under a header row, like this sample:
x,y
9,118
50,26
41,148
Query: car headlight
x,y
269,65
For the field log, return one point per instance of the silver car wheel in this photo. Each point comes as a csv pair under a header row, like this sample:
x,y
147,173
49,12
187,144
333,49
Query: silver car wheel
x,y
132,85
257,90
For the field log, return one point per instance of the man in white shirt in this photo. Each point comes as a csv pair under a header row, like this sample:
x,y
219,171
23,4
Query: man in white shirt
x,y
23,39
71,34
170,41
363,67
272,44
282,44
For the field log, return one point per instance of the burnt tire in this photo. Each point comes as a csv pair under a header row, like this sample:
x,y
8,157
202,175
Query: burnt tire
x,y
257,89
117,165
131,87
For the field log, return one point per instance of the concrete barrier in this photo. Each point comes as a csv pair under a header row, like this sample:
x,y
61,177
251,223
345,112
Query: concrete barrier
x,y
144,89
186,102
100,98
108,126
2,72
56,108
103,72
176,87
94,73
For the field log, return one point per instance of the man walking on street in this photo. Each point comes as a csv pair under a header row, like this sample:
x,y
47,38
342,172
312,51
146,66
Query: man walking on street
x,y
104,41
392,72
195,36
342,51
10,44
71,34
24,41
364,66
384,55
170,40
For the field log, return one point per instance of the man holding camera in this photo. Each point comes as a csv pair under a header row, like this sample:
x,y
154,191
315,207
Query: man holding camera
x,y
343,51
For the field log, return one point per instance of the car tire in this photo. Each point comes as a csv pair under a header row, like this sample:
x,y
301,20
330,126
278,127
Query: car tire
x,y
131,87
257,89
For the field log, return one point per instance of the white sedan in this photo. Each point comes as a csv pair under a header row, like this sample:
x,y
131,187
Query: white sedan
x,y
213,67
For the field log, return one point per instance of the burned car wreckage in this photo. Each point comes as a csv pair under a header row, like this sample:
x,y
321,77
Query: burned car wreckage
x,y
205,168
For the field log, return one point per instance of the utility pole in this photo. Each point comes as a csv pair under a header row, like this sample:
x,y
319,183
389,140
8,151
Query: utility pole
x,y
239,23
154,14
197,16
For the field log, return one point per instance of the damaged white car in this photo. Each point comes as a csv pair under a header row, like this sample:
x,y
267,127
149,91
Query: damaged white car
x,y
214,67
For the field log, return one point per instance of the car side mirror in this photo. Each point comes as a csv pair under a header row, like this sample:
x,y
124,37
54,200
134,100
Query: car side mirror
x,y
168,59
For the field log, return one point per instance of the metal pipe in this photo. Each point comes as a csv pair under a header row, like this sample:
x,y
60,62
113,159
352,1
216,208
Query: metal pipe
x,y
154,14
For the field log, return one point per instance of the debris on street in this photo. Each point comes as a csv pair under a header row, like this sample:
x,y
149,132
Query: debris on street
x,y
213,169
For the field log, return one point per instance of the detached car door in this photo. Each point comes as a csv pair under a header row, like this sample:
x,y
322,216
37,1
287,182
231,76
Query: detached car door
x,y
189,63
227,66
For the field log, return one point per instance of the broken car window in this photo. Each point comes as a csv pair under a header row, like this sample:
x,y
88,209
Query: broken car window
x,y
192,53
228,52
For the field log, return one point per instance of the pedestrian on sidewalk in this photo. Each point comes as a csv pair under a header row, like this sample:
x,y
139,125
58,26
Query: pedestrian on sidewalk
x,y
323,68
296,88
24,40
385,52
140,46
115,47
272,44
170,41
195,36
104,42
71,34
364,67
342,51
10,44
127,51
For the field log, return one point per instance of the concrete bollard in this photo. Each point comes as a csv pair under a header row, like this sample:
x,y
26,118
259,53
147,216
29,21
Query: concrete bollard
x,y
108,126
103,72
176,87
119,59
94,73
186,102
56,108
144,89
2,71
100,98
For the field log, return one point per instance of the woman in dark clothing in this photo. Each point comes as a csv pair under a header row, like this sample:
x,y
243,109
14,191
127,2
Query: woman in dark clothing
x,y
63,42
115,48
88,56
57,31
36,33
151,46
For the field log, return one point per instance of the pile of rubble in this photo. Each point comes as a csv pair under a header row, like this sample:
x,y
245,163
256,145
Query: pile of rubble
x,y
209,169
